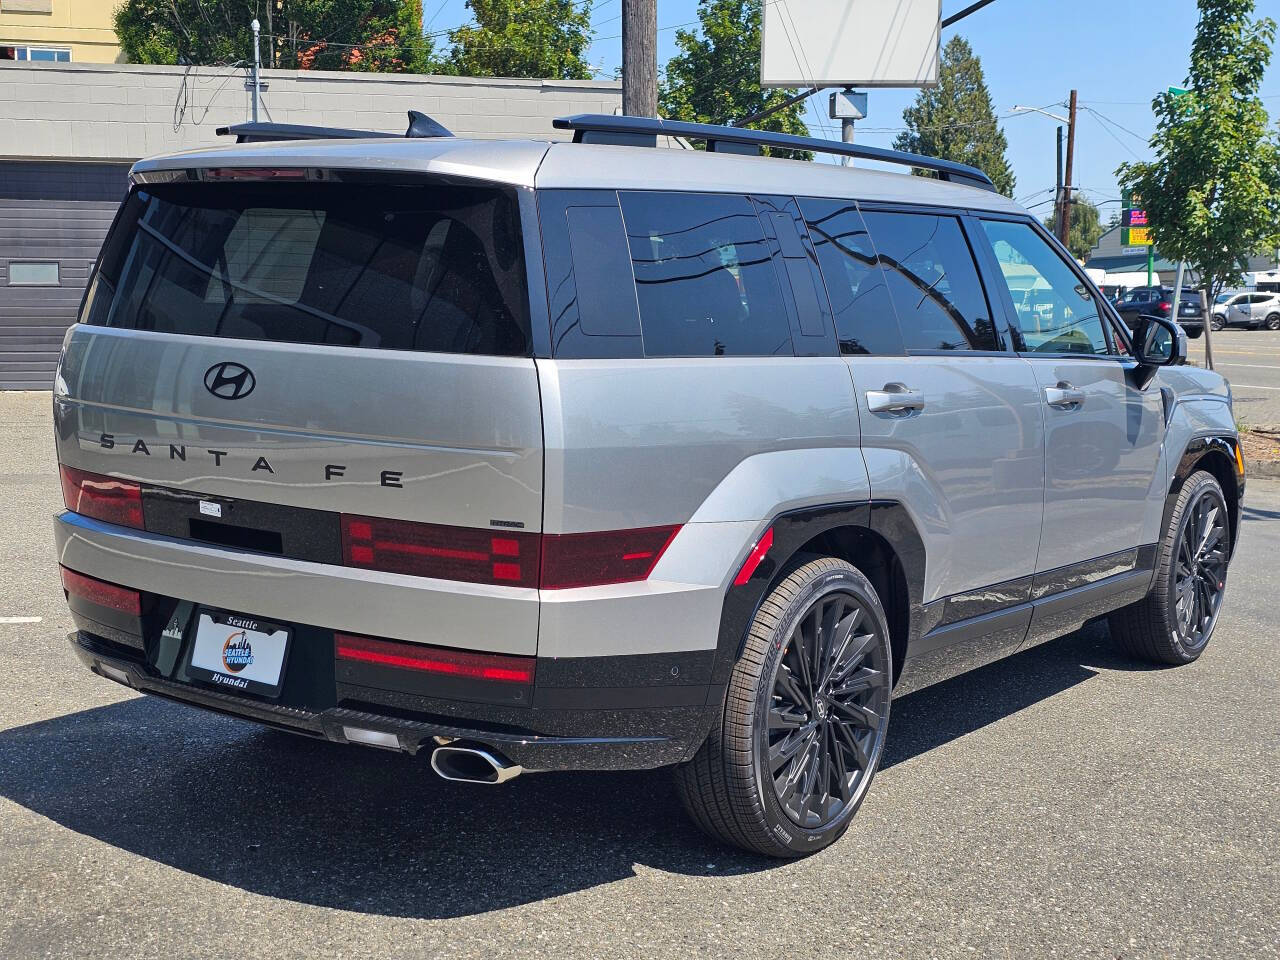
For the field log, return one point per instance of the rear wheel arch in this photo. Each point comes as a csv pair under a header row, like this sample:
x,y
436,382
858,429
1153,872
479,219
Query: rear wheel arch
x,y
877,537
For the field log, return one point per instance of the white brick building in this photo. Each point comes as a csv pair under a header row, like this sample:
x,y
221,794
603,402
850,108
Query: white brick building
x,y
68,133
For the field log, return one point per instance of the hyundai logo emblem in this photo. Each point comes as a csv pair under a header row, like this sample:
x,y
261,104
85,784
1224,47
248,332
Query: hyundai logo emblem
x,y
230,381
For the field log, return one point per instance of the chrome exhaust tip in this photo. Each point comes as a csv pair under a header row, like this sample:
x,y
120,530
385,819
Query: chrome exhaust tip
x,y
473,765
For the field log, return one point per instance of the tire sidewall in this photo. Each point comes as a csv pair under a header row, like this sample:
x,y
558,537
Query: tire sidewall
x,y
782,828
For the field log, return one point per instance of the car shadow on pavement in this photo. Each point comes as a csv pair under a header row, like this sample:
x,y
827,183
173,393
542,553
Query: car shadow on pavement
x,y
362,830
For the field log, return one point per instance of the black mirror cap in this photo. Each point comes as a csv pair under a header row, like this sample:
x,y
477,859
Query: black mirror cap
x,y
1159,342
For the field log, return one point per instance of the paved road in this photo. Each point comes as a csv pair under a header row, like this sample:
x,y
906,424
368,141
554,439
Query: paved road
x,y
1250,359
1063,803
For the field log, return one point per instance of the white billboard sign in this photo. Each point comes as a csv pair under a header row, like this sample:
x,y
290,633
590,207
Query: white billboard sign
x,y
857,43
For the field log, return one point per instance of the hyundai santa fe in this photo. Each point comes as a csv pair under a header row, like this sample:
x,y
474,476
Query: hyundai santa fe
x,y
597,455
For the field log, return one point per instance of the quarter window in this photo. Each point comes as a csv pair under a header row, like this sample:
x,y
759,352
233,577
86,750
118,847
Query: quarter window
x,y
865,319
1054,309
933,282
705,281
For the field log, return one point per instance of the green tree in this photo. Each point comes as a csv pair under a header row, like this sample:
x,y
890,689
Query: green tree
x,y
1085,228
523,38
383,35
715,78
1212,193
954,120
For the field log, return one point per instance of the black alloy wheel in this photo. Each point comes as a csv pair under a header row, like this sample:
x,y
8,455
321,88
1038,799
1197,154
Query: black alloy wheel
x,y
1172,624
826,726
805,716
1273,321
1200,570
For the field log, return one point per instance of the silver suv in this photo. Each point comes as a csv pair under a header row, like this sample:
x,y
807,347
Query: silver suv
x,y
599,455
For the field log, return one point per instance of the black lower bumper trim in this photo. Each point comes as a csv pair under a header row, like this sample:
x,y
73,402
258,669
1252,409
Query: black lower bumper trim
x,y
532,751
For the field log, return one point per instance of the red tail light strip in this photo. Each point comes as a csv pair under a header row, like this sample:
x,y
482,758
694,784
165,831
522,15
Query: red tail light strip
x,y
501,668
549,561
102,498
444,552
102,593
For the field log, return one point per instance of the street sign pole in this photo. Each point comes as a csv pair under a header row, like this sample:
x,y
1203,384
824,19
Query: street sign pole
x,y
1151,263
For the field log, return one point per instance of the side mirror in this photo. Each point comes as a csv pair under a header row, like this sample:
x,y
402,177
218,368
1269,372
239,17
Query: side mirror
x,y
1158,342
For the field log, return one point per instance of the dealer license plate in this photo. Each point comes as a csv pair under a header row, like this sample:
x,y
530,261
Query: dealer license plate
x,y
238,652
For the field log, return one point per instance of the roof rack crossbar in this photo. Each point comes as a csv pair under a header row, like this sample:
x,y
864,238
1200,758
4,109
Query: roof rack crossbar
x,y
588,127
420,125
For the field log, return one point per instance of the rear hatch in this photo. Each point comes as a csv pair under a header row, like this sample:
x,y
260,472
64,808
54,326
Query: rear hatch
x,y
323,366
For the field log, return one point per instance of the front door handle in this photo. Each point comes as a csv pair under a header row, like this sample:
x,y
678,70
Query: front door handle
x,y
1064,396
894,398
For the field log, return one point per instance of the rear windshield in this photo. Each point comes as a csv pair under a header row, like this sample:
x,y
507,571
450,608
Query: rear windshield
x,y
401,267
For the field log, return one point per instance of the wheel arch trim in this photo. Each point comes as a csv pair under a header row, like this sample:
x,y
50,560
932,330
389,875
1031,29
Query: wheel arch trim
x,y
1222,453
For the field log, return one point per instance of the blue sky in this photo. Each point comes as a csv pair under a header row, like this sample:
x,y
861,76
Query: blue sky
x,y
1116,54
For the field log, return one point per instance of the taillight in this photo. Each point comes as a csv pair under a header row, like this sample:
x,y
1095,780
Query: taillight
x,y
443,552
509,558
102,498
102,593
611,556
1165,305
502,668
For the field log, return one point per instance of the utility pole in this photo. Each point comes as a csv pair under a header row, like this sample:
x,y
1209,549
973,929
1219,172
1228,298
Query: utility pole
x,y
640,58
1064,223
257,65
1057,193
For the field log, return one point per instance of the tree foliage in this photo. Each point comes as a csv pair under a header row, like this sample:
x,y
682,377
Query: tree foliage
x,y
715,78
1212,193
523,38
954,120
381,35
1084,230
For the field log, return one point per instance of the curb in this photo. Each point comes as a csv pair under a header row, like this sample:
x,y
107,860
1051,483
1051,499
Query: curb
x,y
1262,468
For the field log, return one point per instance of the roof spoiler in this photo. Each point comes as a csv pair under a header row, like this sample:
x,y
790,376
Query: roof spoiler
x,y
644,131
420,126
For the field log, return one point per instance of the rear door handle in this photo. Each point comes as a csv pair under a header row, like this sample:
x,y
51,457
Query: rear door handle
x,y
894,398
1064,396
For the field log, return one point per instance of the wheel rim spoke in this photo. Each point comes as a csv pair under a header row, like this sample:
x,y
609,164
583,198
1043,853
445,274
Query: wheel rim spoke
x,y
1200,569
826,718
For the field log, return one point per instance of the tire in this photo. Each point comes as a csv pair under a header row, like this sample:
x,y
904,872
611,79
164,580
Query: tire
x,y
1216,324
1195,333
1173,623
773,722
1273,321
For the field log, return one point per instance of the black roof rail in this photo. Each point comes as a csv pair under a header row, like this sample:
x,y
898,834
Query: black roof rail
x,y
420,125
644,131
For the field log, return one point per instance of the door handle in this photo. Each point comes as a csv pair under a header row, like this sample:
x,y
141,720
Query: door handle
x,y
894,398
1064,396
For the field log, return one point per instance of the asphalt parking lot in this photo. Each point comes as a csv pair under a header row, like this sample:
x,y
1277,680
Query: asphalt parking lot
x,y
1062,803
1250,359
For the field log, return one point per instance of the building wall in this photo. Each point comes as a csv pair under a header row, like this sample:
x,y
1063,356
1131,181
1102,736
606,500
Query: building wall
x,y
83,26
128,111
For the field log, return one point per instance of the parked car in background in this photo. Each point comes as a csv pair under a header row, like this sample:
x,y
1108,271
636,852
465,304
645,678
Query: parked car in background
x,y
1248,309
1158,302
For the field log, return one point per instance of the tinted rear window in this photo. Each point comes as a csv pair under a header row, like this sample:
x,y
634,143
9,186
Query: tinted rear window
x,y
401,267
705,280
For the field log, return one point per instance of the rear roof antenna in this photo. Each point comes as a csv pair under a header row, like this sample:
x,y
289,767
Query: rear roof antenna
x,y
420,125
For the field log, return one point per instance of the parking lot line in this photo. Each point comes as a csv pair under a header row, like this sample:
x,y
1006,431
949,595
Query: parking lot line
x,y
21,619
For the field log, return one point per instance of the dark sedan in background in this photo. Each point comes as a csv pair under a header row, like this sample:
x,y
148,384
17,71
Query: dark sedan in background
x,y
1158,302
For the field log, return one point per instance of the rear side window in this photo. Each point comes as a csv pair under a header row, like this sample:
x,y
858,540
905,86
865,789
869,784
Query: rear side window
x,y
393,266
705,280
865,318
933,281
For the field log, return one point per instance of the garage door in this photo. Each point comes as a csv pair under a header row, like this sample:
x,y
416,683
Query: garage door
x,y
53,217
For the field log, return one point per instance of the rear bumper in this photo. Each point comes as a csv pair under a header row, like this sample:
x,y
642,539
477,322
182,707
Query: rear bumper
x,y
627,739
